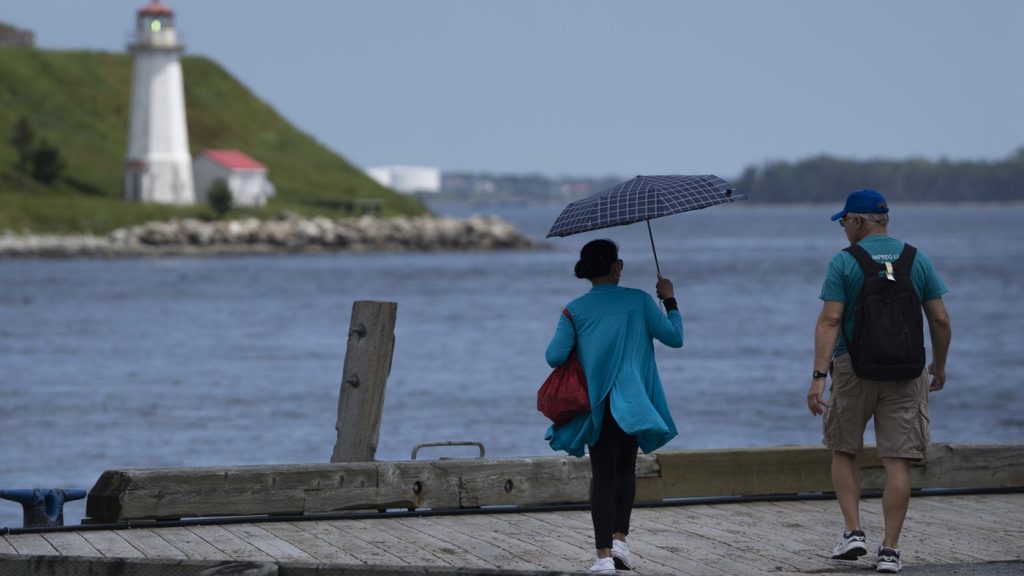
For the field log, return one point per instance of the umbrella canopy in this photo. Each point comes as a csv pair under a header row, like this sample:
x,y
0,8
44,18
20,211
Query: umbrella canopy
x,y
642,198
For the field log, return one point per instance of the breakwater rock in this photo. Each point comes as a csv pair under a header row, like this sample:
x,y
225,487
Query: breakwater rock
x,y
281,235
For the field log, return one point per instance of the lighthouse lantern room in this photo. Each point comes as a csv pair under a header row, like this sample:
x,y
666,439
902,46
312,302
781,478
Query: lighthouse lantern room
x,y
158,166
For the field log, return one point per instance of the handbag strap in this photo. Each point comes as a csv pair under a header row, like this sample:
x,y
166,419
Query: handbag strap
x,y
572,323
568,315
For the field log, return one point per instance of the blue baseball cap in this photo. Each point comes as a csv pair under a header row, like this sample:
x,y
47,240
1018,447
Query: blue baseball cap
x,y
863,202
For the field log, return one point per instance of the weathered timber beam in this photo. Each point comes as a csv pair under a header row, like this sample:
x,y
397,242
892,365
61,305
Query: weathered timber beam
x,y
322,488
747,472
973,466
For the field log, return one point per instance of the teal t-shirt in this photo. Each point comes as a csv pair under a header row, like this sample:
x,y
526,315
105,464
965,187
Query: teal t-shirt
x,y
844,278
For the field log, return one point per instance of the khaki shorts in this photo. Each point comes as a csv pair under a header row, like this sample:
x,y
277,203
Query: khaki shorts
x,y
900,410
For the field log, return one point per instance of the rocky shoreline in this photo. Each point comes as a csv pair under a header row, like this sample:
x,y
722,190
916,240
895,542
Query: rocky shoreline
x,y
286,234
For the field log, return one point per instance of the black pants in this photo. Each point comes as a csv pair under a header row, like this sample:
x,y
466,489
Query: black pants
x,y
613,487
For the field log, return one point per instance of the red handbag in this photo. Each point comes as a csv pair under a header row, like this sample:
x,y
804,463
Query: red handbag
x,y
564,394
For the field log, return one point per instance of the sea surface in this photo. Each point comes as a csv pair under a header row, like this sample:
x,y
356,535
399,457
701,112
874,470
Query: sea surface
x,y
219,361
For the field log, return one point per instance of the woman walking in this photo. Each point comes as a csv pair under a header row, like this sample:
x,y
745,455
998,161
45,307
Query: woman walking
x,y
613,328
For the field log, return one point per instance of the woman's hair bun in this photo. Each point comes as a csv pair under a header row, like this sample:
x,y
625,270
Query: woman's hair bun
x,y
582,271
596,259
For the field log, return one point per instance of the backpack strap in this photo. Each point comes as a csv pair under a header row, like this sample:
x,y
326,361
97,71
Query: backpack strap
x,y
869,267
905,263
867,263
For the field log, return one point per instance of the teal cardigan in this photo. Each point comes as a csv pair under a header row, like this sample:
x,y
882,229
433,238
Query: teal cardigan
x,y
615,328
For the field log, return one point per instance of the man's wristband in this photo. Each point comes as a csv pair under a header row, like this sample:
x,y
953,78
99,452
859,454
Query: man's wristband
x,y
670,304
818,374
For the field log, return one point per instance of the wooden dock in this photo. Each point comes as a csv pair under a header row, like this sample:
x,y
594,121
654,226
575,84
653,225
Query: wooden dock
x,y
780,537
517,515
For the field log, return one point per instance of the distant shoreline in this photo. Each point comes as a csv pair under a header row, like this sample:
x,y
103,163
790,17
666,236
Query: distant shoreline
x,y
286,235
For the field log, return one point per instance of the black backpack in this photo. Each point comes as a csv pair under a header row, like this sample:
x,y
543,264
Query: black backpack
x,y
888,332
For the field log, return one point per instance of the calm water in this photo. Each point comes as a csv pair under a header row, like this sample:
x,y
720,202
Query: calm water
x,y
230,361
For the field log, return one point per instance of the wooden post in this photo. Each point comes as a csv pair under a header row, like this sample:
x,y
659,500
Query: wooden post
x,y
371,343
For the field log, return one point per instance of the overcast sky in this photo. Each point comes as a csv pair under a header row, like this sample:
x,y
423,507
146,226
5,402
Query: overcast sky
x,y
599,87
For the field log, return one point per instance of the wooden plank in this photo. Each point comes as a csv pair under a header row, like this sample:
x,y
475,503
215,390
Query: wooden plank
x,y
705,544
371,343
974,465
331,536
649,537
744,472
830,523
541,532
308,541
411,546
812,520
731,540
574,528
830,520
505,549
273,546
190,544
549,551
526,481
349,537
5,546
1005,532
653,555
150,544
71,544
31,544
231,545
778,547
463,552
416,538
110,543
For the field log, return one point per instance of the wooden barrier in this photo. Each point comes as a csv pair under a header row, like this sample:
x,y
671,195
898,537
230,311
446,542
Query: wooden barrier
x,y
371,343
321,488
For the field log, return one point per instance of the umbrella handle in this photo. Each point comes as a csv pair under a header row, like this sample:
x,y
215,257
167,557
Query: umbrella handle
x,y
651,235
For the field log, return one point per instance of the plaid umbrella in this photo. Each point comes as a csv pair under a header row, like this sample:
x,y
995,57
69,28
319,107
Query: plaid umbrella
x,y
643,198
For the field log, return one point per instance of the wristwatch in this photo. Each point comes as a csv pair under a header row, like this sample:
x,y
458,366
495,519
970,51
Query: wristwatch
x,y
817,374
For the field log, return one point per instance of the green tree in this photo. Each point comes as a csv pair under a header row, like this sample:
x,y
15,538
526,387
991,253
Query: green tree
x,y
219,197
47,163
23,137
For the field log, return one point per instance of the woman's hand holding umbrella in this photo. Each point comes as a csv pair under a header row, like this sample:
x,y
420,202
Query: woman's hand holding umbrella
x,y
664,288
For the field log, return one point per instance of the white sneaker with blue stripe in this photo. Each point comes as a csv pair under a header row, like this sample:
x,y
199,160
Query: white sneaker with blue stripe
x,y
888,560
851,546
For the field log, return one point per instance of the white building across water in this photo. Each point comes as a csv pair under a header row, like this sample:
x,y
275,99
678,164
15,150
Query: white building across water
x,y
158,166
245,177
407,179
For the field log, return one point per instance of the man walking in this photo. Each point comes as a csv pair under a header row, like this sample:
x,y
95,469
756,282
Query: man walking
x,y
870,335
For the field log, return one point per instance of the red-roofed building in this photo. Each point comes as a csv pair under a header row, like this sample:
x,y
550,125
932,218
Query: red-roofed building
x,y
245,176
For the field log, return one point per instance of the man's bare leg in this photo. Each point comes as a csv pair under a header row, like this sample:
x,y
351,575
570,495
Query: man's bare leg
x,y
895,499
846,481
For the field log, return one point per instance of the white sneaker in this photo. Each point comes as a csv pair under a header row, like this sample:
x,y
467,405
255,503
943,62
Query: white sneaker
x,y
888,560
603,566
620,554
851,546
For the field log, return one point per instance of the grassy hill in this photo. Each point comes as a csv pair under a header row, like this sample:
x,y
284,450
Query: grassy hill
x,y
80,101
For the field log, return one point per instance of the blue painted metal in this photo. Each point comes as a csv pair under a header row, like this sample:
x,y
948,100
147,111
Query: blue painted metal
x,y
43,507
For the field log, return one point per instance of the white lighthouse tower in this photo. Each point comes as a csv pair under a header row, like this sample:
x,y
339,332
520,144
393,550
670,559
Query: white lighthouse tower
x,y
158,167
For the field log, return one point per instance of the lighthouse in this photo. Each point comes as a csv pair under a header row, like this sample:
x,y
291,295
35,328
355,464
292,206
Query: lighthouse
x,y
158,166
